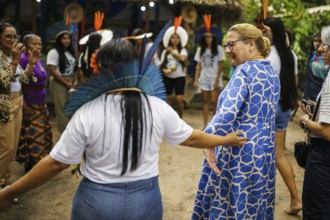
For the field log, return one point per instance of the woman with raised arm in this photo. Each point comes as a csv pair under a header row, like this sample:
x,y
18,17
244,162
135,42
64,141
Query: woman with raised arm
x,y
121,142
36,133
12,75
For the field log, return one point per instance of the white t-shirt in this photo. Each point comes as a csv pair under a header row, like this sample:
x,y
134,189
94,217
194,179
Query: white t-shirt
x,y
209,63
324,112
96,129
53,59
275,61
171,61
15,85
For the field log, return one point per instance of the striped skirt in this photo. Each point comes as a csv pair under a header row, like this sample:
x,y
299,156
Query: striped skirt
x,y
36,136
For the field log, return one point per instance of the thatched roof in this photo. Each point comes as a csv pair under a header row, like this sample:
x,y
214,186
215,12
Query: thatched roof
x,y
229,10
217,3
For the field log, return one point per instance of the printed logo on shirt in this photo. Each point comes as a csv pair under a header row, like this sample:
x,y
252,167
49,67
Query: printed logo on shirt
x,y
208,60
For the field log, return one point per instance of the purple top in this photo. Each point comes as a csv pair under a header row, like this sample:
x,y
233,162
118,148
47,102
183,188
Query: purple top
x,y
34,93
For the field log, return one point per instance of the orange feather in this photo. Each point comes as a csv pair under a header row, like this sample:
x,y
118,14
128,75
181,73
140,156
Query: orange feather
x,y
207,22
177,22
68,21
98,19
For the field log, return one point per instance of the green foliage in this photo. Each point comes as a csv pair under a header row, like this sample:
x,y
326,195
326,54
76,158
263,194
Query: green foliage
x,y
314,3
297,20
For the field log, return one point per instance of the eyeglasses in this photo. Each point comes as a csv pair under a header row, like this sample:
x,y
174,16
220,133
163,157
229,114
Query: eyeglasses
x,y
231,44
9,36
325,46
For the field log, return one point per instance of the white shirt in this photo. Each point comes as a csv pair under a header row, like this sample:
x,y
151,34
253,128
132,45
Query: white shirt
x,y
53,58
180,70
324,111
15,85
209,63
96,129
275,61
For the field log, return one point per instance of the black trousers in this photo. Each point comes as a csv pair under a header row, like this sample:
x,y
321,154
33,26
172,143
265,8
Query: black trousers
x,y
316,188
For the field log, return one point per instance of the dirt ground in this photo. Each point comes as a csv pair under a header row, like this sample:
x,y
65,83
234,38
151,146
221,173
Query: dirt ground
x,y
179,175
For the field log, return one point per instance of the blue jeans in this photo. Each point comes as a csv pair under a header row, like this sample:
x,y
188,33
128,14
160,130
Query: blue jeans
x,y
282,118
131,200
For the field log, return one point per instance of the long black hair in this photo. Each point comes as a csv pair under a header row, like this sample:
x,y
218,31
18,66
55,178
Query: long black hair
x,y
179,48
63,61
134,117
93,44
214,46
312,49
289,93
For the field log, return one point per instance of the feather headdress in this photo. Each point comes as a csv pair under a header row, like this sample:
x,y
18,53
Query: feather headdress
x,y
263,14
137,75
106,34
177,22
207,22
176,29
208,29
138,34
58,28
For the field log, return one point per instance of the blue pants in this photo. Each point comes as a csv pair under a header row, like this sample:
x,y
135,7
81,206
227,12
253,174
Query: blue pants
x,y
131,200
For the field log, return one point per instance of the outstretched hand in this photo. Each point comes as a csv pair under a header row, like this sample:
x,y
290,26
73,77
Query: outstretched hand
x,y
5,201
211,159
236,138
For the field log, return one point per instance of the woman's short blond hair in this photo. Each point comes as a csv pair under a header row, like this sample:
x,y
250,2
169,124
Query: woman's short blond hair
x,y
251,32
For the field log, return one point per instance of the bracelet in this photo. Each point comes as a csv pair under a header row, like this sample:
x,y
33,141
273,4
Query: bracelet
x,y
305,119
304,123
15,64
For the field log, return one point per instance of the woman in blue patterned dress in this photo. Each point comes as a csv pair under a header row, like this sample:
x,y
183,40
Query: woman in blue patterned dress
x,y
239,182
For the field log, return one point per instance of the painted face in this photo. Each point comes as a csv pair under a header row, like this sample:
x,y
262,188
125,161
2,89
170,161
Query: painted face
x,y
66,40
317,43
236,49
7,38
175,40
324,50
34,43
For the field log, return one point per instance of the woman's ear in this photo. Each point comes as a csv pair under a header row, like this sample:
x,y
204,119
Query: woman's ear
x,y
252,45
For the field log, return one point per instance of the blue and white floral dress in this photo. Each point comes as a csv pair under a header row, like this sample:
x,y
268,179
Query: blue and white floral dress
x,y
245,188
